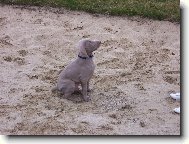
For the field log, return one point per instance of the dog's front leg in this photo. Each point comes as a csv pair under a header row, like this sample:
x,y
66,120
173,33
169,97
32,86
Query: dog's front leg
x,y
88,89
84,91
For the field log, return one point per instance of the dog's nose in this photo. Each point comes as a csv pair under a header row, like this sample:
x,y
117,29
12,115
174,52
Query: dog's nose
x,y
99,43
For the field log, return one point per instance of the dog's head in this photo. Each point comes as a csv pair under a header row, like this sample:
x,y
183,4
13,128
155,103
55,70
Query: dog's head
x,y
86,47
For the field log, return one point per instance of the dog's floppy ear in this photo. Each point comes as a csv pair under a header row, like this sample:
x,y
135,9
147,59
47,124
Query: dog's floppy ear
x,y
82,50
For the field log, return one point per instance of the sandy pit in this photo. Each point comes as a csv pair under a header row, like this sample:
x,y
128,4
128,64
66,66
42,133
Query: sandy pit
x,y
137,67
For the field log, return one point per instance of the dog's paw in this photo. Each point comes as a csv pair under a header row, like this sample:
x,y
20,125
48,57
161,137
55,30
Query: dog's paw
x,y
87,98
77,92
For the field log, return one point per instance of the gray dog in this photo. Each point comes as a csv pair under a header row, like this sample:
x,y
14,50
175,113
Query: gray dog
x,y
79,71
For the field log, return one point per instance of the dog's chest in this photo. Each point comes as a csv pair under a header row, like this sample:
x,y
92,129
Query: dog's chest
x,y
87,70
89,67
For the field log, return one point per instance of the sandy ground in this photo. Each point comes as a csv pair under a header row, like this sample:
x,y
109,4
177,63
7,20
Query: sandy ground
x,y
137,67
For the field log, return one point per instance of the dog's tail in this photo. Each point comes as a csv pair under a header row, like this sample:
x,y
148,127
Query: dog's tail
x,y
54,89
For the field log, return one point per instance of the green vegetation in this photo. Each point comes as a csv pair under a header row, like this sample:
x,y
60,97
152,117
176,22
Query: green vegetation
x,y
155,9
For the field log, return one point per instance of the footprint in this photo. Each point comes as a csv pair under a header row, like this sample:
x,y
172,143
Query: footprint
x,y
140,86
22,52
78,28
38,21
139,65
126,107
108,29
86,36
20,61
172,72
170,79
5,40
14,90
47,53
7,58
114,116
49,76
105,127
165,51
163,57
125,42
2,21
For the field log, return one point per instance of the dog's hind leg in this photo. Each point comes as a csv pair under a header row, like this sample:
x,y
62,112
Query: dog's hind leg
x,y
68,89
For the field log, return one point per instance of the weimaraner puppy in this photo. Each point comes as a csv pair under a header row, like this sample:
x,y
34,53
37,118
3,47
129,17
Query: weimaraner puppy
x,y
79,71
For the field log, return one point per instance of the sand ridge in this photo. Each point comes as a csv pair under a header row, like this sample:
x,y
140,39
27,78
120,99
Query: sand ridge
x,y
137,67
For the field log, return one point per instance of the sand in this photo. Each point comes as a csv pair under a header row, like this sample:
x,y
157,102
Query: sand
x,y
137,67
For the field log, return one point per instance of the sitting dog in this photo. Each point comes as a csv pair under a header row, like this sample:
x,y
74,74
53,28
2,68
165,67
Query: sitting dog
x,y
79,71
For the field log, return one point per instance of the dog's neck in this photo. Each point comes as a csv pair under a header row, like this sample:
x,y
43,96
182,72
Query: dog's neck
x,y
90,56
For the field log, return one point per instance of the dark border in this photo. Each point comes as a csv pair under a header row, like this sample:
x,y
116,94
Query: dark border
x,y
182,71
